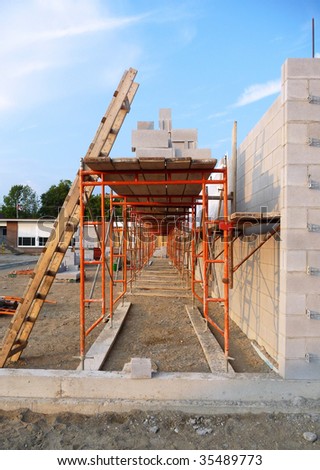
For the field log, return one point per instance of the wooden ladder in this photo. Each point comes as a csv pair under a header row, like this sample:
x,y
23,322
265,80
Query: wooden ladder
x,y
17,335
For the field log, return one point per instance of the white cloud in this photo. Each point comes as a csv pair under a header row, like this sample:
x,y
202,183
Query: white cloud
x,y
43,41
258,92
218,115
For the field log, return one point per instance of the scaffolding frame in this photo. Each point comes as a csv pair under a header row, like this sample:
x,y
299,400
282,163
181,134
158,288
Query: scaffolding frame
x,y
144,217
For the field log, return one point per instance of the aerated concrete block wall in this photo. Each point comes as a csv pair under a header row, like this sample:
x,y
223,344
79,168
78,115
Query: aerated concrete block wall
x,y
299,312
276,294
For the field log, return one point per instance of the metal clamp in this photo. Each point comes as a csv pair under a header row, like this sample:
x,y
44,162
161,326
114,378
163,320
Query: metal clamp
x,y
313,142
313,271
313,228
313,184
312,315
311,357
314,99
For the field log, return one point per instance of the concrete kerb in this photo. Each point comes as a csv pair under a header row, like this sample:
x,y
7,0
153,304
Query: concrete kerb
x,y
213,353
88,392
98,352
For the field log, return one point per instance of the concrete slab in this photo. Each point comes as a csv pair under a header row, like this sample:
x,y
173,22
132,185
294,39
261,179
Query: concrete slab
x,y
68,276
90,392
99,350
211,348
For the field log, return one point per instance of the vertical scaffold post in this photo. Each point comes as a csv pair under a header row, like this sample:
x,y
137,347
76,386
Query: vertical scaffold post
x,y
205,251
125,248
103,250
226,262
82,270
111,244
193,251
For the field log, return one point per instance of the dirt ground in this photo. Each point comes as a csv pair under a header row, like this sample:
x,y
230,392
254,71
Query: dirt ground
x,y
157,326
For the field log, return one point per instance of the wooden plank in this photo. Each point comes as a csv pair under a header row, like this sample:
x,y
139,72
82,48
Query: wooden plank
x,y
154,163
106,148
251,216
180,163
162,294
112,114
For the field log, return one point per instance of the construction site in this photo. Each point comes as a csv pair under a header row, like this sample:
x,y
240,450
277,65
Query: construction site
x,y
196,290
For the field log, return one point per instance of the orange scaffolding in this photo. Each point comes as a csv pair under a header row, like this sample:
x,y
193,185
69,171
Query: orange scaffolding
x,y
161,201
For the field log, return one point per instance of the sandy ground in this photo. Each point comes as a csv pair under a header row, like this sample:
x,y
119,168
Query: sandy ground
x,y
156,327
162,430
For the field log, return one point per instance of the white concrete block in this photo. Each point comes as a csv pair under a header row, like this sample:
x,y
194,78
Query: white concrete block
x,y
299,326
184,135
314,129
296,133
141,368
295,260
296,175
302,68
301,196
313,302
193,153
313,344
313,216
155,152
313,257
296,89
314,172
301,283
314,87
145,125
298,369
295,348
149,138
165,122
297,153
301,111
68,275
298,239
293,304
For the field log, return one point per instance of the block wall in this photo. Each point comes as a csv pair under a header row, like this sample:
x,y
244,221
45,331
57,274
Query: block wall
x,y
276,294
299,313
259,164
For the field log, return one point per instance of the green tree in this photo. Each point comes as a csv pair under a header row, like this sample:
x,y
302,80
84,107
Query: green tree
x,y
53,199
21,202
93,208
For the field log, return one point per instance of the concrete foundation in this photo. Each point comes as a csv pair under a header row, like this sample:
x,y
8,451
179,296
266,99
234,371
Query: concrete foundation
x,y
92,392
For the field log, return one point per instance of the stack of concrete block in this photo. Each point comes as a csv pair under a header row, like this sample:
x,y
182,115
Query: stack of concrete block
x,y
69,268
166,142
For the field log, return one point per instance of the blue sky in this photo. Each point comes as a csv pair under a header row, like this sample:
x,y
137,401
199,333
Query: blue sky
x,y
211,61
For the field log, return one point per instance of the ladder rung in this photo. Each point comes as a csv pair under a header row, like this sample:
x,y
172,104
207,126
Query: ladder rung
x,y
61,249
40,296
21,346
50,273
30,320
